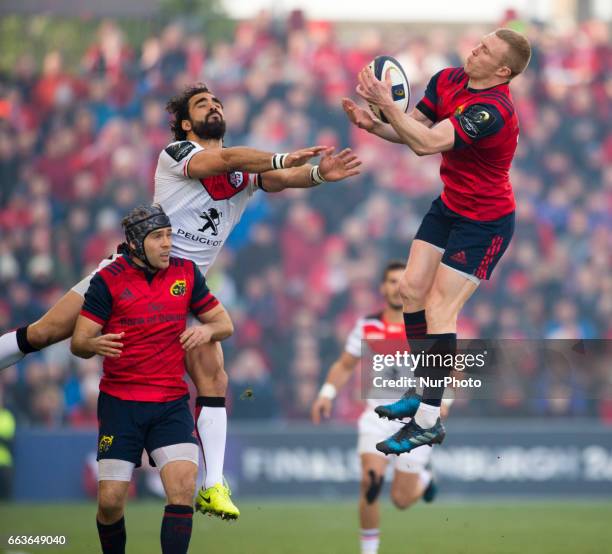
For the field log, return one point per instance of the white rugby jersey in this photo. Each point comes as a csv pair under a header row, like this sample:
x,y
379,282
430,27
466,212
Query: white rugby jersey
x,y
203,212
374,328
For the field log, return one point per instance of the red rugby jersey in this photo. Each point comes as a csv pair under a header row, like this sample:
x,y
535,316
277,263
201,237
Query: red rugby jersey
x,y
476,171
152,310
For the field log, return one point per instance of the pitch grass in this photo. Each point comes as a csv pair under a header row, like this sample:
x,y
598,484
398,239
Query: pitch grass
x,y
331,528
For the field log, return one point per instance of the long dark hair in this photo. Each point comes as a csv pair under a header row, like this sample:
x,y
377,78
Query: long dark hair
x,y
178,108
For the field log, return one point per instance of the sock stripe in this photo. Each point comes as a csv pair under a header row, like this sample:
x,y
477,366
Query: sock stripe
x,y
211,401
180,516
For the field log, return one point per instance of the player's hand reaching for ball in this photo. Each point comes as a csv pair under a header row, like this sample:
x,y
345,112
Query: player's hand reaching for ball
x,y
339,166
300,157
358,116
108,345
196,336
374,91
322,408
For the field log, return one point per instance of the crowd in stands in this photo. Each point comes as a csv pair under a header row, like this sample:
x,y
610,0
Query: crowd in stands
x,y
79,146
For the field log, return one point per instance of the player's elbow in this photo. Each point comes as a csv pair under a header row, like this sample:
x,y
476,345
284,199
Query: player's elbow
x,y
229,329
77,347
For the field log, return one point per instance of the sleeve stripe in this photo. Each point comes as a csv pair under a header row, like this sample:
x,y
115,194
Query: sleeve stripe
x,y
202,301
93,317
426,110
212,303
502,100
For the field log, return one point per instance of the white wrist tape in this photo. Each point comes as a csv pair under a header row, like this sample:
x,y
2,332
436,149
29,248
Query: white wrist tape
x,y
328,391
278,161
315,175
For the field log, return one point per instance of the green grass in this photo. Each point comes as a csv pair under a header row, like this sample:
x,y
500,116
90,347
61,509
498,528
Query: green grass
x,y
331,528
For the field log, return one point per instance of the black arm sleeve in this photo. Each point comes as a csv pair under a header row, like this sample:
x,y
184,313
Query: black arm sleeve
x,y
98,299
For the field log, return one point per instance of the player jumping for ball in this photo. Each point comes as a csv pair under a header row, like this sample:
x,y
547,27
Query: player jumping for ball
x,y
468,116
204,188
412,477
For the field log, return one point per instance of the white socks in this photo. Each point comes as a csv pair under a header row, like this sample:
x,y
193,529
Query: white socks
x,y
212,428
427,415
370,540
425,478
9,350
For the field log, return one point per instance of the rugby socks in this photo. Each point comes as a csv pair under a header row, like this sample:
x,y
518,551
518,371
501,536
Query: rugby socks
x,y
370,540
10,353
425,478
416,327
176,529
211,422
112,537
429,409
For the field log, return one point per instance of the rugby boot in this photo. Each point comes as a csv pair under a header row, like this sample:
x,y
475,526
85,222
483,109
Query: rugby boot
x,y
216,501
411,436
406,406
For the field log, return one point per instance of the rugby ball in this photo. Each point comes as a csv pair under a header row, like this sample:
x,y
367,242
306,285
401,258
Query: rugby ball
x,y
400,87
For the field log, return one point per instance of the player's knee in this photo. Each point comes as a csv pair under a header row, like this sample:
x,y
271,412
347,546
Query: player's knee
x,y
183,489
371,486
402,500
412,288
110,504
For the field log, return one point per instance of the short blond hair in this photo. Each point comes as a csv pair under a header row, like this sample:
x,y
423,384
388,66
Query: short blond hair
x,y
519,50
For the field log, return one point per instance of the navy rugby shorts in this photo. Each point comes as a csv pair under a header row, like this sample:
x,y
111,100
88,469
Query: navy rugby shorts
x,y
470,246
126,427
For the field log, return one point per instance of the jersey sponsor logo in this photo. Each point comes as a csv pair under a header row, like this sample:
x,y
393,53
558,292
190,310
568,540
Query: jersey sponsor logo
x,y
106,441
179,150
475,120
212,219
178,288
236,178
199,239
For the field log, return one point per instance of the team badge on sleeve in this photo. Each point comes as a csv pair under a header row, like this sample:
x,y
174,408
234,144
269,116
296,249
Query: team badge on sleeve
x,y
179,150
236,178
178,288
476,120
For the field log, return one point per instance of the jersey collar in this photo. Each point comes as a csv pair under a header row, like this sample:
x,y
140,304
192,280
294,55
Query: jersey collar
x,y
477,90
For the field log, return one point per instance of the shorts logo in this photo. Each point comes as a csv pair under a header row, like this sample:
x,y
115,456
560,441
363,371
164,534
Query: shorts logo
x,y
236,178
105,443
178,288
459,257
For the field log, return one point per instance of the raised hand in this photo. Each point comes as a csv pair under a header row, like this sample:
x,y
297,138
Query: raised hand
x,y
339,166
300,157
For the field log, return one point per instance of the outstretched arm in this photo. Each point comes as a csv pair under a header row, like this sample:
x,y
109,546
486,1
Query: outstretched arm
x,y
332,168
339,374
365,120
240,158
415,134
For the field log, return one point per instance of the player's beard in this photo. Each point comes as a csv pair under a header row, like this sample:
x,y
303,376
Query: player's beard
x,y
209,128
